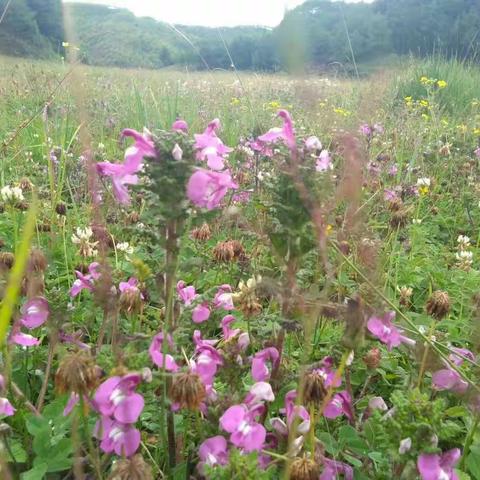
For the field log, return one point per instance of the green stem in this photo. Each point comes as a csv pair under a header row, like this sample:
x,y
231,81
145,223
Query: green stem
x,y
469,441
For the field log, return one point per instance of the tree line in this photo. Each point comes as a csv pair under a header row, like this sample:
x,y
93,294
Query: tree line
x,y
317,34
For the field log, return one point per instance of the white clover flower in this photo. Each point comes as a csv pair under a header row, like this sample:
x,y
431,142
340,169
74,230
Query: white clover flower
x,y
423,182
82,235
463,242
11,194
125,247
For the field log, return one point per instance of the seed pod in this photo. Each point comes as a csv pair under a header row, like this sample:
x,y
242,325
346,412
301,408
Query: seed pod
x,y
304,469
77,373
203,233
188,391
314,389
61,208
438,305
133,468
372,358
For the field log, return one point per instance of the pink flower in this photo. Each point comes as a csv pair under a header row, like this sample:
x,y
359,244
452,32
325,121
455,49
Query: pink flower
x,y
228,333
224,298
390,195
393,170
180,126
23,339
285,133
206,189
116,397
123,439
34,313
213,451
85,282
206,362
438,467
210,147
157,355
340,404
124,174
324,162
245,432
201,313
186,293
313,143
448,379
130,287
259,392
477,152
458,356
260,371
366,130
293,412
6,408
333,468
386,332
327,372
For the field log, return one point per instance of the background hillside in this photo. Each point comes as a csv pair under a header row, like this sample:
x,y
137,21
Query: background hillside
x,y
316,34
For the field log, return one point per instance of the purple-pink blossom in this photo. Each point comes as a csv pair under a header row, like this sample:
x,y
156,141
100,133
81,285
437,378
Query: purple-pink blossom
x,y
324,162
224,298
212,452
201,313
85,282
34,312
387,332
123,439
116,397
160,359
285,133
438,466
477,152
186,293
210,147
206,189
340,404
180,126
260,370
449,379
123,174
333,468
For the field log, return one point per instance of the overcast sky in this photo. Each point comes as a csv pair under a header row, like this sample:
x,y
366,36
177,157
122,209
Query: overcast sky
x,y
212,13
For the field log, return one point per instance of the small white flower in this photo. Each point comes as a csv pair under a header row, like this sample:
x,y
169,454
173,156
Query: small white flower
x,y
177,152
101,146
423,182
405,445
417,221
125,247
82,235
11,194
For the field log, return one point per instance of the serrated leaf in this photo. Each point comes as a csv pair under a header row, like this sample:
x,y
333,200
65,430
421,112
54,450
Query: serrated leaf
x,y
19,453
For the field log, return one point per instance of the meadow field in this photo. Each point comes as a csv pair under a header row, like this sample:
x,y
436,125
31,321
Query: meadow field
x,y
231,275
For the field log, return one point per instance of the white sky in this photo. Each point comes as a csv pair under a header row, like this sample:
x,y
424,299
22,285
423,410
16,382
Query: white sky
x,y
212,13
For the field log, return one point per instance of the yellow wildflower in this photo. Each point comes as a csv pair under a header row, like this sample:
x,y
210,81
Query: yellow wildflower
x,y
442,83
424,103
234,101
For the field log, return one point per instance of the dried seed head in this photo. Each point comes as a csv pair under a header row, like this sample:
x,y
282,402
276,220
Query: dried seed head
x,y
344,247
203,233
6,260
405,296
372,358
399,218
304,469
61,208
22,206
438,305
133,218
44,226
77,373
25,184
133,468
37,261
131,300
188,391
314,389
223,252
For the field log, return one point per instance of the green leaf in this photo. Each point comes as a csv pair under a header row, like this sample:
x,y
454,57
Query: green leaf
x,y
331,445
19,453
457,411
36,473
352,460
473,464
348,436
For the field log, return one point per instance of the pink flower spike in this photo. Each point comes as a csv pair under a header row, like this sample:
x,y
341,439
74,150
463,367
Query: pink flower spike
x,y
438,467
180,126
157,356
206,189
213,451
6,408
387,332
224,298
286,133
186,293
324,162
24,339
201,313
34,313
448,379
116,437
260,371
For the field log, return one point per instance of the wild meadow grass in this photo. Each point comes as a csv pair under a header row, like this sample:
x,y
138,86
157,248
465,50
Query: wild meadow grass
x,y
319,289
